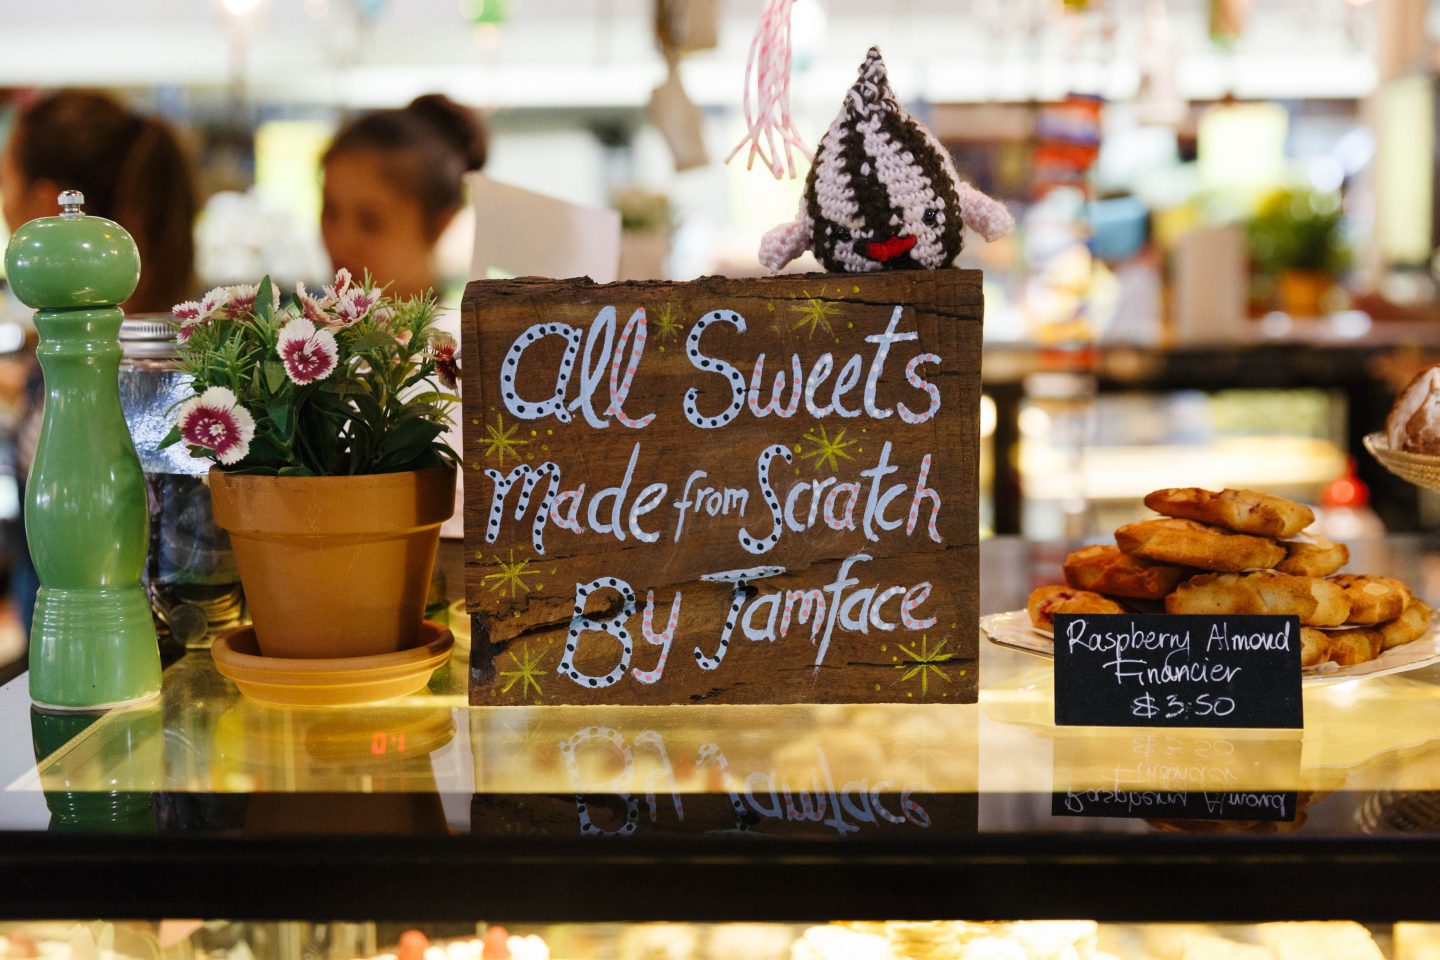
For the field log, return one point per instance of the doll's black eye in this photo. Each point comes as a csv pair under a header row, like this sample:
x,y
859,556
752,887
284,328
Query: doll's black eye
x,y
929,217
843,235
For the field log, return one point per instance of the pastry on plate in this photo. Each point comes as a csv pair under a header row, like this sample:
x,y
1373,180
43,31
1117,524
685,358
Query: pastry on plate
x,y
1349,647
1318,603
1311,556
1314,647
1110,570
1408,627
1414,421
1187,543
1243,511
1045,602
1373,599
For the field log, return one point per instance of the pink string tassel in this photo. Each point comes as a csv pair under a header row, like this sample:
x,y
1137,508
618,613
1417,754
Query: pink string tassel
x,y
771,133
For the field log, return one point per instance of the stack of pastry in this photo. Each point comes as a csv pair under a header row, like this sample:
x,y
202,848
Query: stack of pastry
x,y
1238,552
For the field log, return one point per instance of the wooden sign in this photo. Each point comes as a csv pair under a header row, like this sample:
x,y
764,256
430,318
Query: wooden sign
x,y
1166,670
723,491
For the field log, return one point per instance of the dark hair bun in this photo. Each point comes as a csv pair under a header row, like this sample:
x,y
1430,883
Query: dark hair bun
x,y
456,124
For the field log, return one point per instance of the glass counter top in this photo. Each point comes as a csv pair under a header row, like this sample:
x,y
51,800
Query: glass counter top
x,y
789,793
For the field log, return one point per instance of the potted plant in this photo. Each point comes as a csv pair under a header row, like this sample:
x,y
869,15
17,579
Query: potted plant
x,y
646,223
325,419
1297,242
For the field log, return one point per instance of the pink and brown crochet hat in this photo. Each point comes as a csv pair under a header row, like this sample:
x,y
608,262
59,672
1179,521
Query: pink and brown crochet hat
x,y
883,193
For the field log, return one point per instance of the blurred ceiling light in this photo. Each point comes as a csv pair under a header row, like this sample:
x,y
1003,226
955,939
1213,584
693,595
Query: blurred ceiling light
x,y
487,36
989,415
241,9
1355,149
1034,423
1326,174
807,29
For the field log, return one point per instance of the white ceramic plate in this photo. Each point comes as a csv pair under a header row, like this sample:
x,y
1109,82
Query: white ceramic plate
x,y
1014,629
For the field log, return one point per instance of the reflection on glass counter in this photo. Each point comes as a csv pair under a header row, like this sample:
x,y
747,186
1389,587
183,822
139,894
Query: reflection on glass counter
x,y
853,772
891,940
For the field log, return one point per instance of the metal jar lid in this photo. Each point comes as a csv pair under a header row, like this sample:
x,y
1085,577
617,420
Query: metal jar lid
x,y
147,337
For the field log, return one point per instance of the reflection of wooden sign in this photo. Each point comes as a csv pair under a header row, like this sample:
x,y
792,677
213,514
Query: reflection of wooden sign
x,y
723,491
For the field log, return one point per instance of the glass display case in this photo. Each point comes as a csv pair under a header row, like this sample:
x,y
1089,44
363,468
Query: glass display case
x,y
565,821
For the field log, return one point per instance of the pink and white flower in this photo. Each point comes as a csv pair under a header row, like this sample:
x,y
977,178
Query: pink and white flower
x,y
242,298
308,354
442,351
187,315
341,286
354,305
192,315
213,302
311,308
216,421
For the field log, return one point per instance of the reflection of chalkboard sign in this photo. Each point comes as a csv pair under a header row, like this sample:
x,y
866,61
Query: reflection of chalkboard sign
x,y
723,491
1265,805
1159,670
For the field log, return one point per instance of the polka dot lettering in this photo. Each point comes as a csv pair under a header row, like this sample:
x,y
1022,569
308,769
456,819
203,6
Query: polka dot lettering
x,y
509,372
581,622
709,364
528,477
661,640
620,382
777,523
912,375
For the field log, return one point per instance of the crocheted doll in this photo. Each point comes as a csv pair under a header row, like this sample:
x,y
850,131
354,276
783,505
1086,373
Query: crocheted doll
x,y
883,193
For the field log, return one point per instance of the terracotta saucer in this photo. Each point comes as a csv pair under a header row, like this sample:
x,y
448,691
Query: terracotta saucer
x,y
330,682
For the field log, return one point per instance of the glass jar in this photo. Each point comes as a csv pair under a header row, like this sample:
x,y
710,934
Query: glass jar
x,y
191,577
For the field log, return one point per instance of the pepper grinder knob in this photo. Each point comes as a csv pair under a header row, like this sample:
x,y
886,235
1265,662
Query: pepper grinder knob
x,y
72,203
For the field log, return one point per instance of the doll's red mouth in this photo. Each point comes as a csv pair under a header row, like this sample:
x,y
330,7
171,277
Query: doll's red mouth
x,y
889,249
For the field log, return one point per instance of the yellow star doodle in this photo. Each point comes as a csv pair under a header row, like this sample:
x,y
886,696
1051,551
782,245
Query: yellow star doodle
x,y
509,574
527,672
815,313
826,449
500,440
925,662
667,324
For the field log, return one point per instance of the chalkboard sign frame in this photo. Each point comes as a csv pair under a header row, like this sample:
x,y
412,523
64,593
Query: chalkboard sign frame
x,y
1172,670
523,604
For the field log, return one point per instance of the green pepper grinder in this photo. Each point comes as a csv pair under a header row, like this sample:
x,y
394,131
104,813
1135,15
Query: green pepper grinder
x,y
92,644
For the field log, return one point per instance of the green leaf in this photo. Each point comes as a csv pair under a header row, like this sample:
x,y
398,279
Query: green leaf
x,y
274,375
435,397
407,440
263,449
264,300
171,438
282,418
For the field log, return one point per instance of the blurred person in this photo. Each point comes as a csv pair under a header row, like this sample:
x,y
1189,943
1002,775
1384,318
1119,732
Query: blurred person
x,y
132,169
1131,296
393,181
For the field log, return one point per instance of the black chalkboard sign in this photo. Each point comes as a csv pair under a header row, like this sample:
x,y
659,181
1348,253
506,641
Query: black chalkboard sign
x,y
1163,670
1273,806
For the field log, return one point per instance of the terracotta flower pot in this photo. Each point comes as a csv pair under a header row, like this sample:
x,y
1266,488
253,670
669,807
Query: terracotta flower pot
x,y
1303,292
334,566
